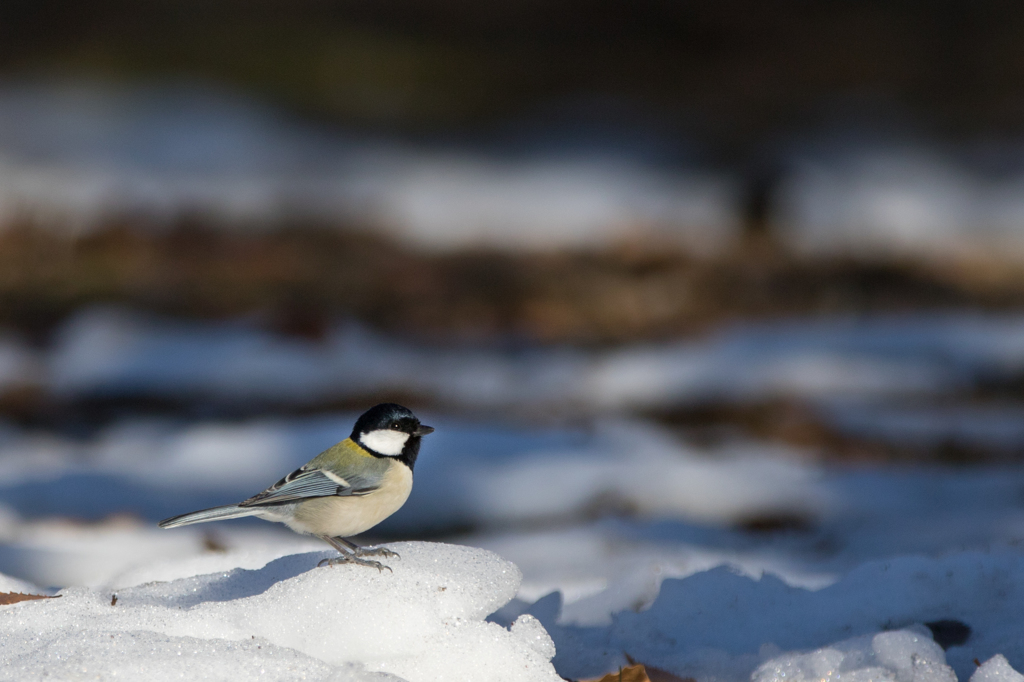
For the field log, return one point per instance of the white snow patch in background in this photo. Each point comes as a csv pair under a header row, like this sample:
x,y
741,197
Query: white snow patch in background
x,y
635,467
289,620
74,155
457,202
900,198
113,352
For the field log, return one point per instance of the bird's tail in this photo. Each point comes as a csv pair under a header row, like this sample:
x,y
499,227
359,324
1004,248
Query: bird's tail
x,y
231,511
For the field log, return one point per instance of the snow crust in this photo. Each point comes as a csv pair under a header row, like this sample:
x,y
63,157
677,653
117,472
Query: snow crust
x,y
288,620
996,669
75,154
900,656
720,625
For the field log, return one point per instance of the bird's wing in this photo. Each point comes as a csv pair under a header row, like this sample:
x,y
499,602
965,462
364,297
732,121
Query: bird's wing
x,y
309,482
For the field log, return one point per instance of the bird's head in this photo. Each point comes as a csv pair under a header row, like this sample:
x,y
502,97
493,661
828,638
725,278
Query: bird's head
x,y
390,430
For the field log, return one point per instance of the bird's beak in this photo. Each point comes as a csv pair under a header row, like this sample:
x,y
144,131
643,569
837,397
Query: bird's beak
x,y
423,430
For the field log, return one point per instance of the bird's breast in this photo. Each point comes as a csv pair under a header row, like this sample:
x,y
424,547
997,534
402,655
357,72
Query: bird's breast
x,y
346,516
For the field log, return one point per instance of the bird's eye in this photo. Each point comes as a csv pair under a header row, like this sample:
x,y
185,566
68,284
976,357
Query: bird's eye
x,y
396,426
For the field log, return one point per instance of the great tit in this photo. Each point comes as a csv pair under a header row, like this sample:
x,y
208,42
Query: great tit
x,y
345,490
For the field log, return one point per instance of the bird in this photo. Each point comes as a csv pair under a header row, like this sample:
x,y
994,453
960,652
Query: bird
x,y
345,490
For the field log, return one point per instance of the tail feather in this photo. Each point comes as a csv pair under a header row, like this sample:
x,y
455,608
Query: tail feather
x,y
231,511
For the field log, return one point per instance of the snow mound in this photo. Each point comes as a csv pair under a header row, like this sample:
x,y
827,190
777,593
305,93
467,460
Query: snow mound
x,y
900,656
289,620
718,625
997,669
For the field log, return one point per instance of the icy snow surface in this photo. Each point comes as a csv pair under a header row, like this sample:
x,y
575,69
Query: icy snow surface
x,y
718,625
288,620
903,655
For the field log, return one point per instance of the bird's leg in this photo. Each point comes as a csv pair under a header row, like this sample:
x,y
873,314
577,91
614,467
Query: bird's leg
x,y
362,551
347,558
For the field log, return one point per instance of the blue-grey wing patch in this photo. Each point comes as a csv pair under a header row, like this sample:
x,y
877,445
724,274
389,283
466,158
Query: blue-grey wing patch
x,y
302,484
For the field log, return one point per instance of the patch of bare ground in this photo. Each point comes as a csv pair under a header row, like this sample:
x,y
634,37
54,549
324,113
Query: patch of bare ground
x,y
810,431
298,278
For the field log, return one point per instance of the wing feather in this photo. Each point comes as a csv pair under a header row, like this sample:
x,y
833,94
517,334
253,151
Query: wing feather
x,y
302,484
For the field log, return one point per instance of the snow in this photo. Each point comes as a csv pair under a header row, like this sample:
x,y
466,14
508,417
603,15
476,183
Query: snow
x,y
720,560
996,669
110,352
996,427
425,621
885,196
524,493
289,620
675,583
464,475
900,656
75,154
718,625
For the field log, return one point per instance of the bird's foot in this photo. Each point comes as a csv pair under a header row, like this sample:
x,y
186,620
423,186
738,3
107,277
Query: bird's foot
x,y
352,559
377,551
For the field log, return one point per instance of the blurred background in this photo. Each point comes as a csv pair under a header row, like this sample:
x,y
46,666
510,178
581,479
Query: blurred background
x,y
679,283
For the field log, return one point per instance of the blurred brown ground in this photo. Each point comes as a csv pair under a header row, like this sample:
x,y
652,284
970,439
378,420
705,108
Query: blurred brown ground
x,y
299,278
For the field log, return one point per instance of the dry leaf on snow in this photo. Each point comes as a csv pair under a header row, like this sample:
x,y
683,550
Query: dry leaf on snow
x,y
15,597
639,673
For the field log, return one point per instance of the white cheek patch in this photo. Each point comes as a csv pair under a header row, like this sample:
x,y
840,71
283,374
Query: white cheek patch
x,y
385,441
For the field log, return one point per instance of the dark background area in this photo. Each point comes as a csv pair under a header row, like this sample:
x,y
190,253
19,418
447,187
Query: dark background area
x,y
737,72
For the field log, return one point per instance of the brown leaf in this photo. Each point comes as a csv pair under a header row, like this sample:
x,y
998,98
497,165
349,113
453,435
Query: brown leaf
x,y
631,673
637,672
659,675
15,597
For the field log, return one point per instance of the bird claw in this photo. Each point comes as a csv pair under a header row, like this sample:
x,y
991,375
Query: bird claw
x,y
378,551
351,559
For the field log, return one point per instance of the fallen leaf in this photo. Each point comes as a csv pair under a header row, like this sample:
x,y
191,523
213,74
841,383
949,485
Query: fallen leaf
x,y
638,672
631,673
657,674
15,597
